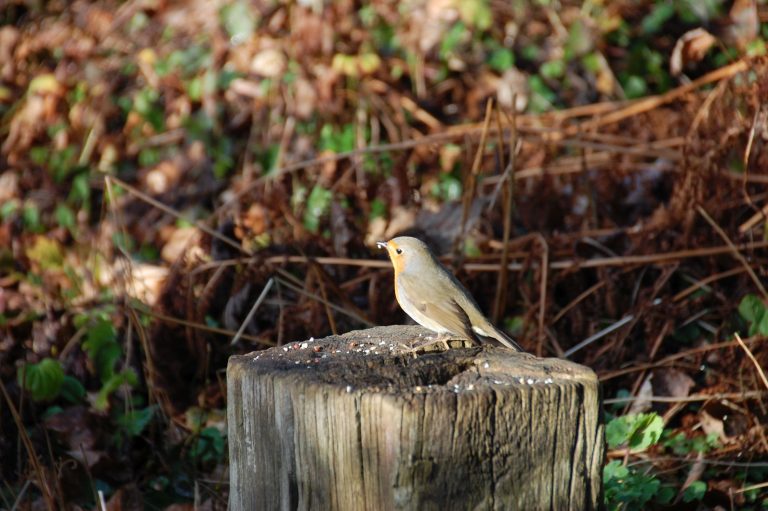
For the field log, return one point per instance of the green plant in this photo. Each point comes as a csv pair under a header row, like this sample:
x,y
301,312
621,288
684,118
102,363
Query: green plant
x,y
629,488
132,422
42,380
209,446
104,351
636,432
317,206
447,188
755,312
340,140
680,444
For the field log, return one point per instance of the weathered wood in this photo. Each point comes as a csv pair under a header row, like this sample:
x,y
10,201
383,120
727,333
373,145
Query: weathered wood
x,y
355,423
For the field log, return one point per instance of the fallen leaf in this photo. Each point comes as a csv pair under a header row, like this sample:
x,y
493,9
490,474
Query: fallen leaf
x,y
691,47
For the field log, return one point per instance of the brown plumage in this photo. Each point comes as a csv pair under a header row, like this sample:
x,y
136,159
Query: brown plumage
x,y
432,296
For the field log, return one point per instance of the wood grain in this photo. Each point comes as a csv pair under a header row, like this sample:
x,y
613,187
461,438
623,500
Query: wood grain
x,y
356,422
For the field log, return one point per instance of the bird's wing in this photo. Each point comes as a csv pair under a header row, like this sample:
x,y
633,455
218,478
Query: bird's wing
x,y
436,304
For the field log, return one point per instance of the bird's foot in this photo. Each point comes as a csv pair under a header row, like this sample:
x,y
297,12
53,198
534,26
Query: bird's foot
x,y
431,341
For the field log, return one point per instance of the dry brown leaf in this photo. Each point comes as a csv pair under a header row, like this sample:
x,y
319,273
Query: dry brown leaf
x,y
672,383
643,402
711,425
691,47
179,242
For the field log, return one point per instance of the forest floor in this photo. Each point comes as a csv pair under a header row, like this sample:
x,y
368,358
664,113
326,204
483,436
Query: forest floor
x,y
162,163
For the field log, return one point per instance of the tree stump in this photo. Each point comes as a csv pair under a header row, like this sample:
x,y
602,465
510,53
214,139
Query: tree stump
x,y
356,422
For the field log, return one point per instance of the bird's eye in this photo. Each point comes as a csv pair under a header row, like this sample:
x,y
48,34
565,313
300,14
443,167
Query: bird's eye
x,y
399,250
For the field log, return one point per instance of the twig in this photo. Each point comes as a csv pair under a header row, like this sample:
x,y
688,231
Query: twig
x,y
752,487
577,300
735,251
509,196
758,119
253,310
165,209
740,464
762,214
652,102
752,394
543,293
470,185
306,293
201,326
703,283
324,294
44,488
753,359
602,333
565,264
671,358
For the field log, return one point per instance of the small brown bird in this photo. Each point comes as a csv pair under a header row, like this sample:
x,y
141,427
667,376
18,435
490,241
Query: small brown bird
x,y
432,296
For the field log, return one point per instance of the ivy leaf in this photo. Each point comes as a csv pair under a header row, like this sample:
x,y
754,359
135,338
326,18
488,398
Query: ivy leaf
x,y
695,491
751,308
126,377
72,390
133,422
42,380
318,203
102,348
637,431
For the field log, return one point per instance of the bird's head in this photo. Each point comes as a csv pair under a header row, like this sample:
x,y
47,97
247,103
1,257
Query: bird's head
x,y
407,254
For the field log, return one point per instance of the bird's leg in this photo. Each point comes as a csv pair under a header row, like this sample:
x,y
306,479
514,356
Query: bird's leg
x,y
440,338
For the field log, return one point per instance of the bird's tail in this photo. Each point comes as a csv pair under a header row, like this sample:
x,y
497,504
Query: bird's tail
x,y
502,338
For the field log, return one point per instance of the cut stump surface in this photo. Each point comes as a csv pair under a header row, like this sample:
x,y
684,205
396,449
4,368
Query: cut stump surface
x,y
357,422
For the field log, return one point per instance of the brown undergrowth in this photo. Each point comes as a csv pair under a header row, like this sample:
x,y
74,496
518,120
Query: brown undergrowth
x,y
167,202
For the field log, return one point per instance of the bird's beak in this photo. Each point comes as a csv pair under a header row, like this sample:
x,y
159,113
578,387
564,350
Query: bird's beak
x,y
381,244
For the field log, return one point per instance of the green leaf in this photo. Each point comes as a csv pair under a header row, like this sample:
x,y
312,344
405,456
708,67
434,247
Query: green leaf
x,y
501,60
614,470
637,431
617,432
665,494
378,209
133,422
81,189
634,86
762,326
65,216
752,308
648,428
552,69
579,40
318,203
239,21
208,446
542,97
338,141
448,188
476,13
31,216
695,491
72,390
126,377
452,38
39,155
102,348
8,209
42,380
625,489
661,12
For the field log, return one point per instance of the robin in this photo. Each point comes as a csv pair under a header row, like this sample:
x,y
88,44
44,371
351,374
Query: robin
x,y
432,296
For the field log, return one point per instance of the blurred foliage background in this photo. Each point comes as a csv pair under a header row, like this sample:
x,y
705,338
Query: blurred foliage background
x,y
164,162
